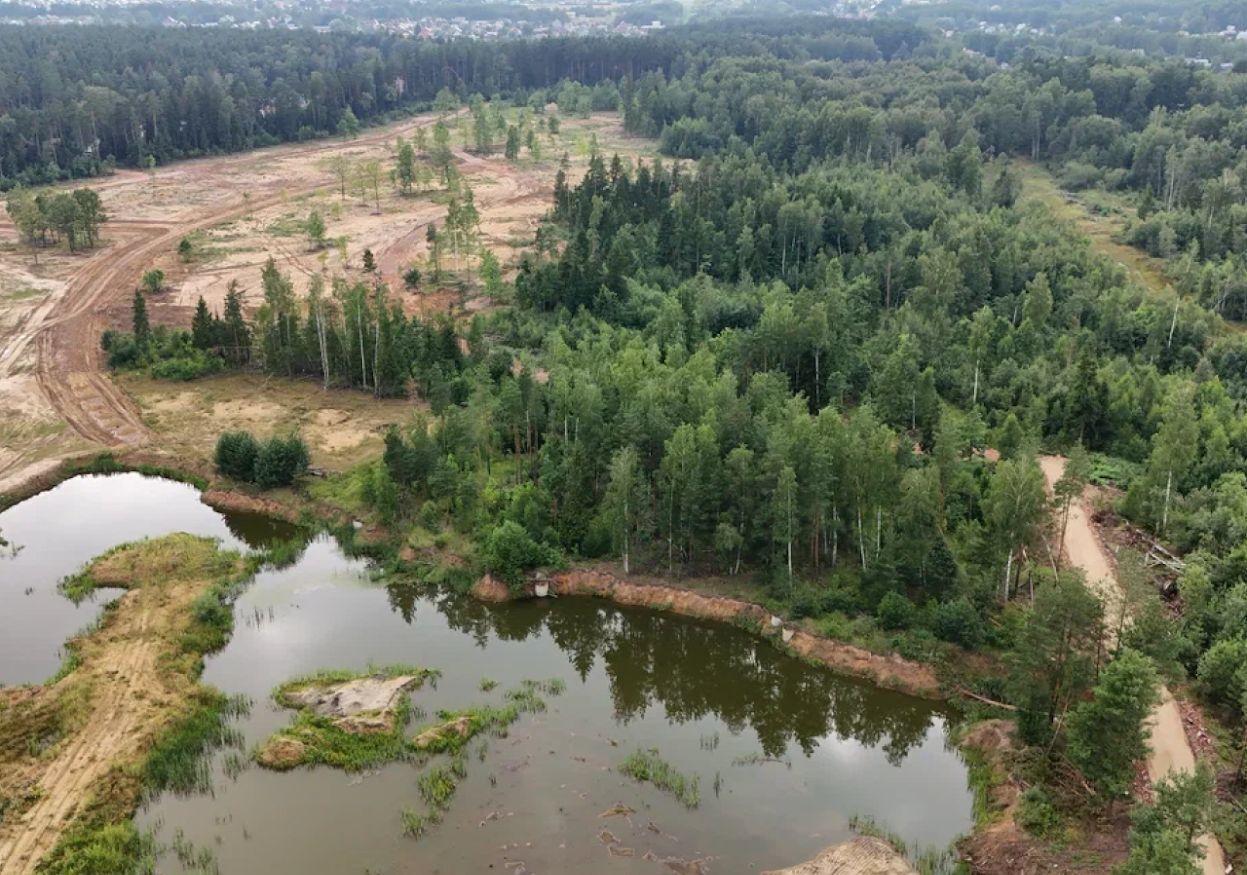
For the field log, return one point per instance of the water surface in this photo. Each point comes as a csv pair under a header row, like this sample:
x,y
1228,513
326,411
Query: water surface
x,y
821,747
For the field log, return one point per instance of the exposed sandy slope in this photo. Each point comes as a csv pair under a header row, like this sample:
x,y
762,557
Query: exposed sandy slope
x,y
892,671
128,685
1169,749
863,855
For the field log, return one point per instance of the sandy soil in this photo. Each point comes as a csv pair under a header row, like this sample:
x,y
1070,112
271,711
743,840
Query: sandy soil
x,y
131,681
342,427
237,210
864,855
1168,748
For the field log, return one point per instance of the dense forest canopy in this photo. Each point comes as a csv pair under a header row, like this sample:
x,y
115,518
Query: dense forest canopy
x,y
818,344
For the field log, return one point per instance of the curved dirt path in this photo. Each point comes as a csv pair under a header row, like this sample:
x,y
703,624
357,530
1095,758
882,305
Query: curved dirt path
x,y
65,330
1168,748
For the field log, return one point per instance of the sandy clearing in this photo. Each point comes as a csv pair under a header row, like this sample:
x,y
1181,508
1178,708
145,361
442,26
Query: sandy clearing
x,y
1168,748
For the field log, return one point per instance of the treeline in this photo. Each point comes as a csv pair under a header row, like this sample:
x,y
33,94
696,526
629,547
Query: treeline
x,y
49,217
76,101
1167,133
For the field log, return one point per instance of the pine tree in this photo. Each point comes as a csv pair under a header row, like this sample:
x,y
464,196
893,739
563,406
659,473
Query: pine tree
x,y
406,169
203,327
236,332
1106,735
142,328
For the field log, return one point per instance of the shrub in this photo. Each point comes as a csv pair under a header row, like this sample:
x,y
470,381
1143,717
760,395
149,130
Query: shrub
x,y
958,621
509,550
191,366
235,455
1219,673
122,351
895,611
1038,816
280,461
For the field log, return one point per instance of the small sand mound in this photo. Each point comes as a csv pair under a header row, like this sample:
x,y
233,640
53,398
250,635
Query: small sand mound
x,y
434,736
369,696
330,417
864,855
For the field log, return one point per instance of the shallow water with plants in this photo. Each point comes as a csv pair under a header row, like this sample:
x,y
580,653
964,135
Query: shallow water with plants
x,y
660,743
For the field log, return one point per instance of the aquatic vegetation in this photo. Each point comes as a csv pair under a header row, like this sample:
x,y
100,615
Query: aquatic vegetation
x,y
488,685
178,761
648,766
454,729
928,861
758,759
349,720
415,823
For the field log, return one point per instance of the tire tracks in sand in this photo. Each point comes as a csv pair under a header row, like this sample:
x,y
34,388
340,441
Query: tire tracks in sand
x,y
1168,748
65,332
135,682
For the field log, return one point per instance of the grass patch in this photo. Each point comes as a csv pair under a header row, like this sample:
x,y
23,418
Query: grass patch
x,y
317,741
179,762
648,766
454,729
286,226
112,847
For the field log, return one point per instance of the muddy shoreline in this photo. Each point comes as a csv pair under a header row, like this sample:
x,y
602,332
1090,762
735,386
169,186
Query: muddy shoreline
x,y
890,672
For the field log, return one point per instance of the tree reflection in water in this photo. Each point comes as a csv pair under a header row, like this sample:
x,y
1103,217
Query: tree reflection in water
x,y
694,669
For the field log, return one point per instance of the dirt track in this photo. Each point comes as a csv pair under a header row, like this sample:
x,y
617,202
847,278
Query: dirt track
x,y
1168,748
133,678
50,357
64,330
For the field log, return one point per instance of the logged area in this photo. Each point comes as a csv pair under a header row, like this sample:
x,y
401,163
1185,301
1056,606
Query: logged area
x,y
237,212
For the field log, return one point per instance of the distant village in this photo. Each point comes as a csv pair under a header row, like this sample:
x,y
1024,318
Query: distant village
x,y
483,21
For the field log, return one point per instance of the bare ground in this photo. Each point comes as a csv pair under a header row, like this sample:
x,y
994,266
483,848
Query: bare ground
x,y
1168,747
238,210
132,680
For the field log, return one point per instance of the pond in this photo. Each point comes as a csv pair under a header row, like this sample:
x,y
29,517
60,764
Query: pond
x,y
785,752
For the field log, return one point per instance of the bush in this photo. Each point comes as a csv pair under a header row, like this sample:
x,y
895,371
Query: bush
x,y
235,455
1220,677
191,366
895,611
122,351
280,461
1038,816
509,550
958,621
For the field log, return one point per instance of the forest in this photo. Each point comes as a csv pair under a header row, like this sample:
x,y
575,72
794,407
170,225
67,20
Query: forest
x,y
818,345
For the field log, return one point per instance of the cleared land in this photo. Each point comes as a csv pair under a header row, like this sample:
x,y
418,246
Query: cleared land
x,y
237,211
1099,215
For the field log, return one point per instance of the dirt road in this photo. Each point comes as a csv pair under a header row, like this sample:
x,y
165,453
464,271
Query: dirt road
x,y
64,330
1168,748
132,680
